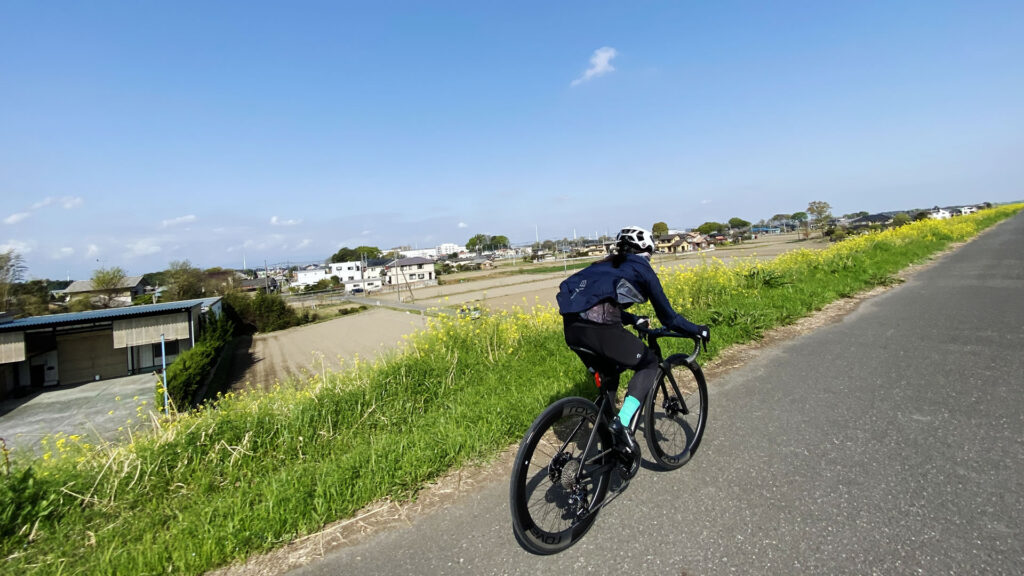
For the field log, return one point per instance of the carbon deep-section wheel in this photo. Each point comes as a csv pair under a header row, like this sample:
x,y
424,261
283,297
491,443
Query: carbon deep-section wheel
x,y
675,416
555,487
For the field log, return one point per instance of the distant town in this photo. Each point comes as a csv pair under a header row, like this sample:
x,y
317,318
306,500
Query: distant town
x,y
113,324
367,269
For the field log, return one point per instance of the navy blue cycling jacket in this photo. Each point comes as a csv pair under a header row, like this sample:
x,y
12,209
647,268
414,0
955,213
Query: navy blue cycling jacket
x,y
633,282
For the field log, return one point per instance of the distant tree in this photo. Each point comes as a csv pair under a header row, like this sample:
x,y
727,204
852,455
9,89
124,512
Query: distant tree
x,y
738,223
900,219
31,298
855,215
710,227
106,282
922,215
477,243
12,270
218,280
155,278
801,220
548,245
780,218
185,281
497,242
659,229
346,254
821,213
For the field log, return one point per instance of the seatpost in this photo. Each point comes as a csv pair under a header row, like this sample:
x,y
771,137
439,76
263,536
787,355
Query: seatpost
x,y
609,389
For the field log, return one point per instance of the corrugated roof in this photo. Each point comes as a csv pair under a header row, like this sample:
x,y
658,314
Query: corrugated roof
x,y
88,316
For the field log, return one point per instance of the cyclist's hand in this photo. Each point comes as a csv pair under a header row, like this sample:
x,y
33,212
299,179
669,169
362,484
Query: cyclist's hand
x,y
642,322
704,333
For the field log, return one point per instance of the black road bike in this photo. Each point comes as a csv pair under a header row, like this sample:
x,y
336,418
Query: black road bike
x,y
569,467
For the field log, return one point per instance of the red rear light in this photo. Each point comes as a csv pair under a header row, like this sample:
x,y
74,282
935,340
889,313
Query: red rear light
x,y
597,379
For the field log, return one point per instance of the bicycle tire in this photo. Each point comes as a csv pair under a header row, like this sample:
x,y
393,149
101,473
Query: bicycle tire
x,y
546,517
675,416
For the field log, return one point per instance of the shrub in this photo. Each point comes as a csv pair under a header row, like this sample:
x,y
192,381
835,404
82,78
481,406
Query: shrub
x,y
188,371
263,312
347,311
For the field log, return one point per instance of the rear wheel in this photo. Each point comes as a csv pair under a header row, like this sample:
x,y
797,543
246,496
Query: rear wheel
x,y
556,489
675,415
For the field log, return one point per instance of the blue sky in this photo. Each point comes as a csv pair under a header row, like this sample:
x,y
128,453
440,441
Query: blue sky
x,y
134,134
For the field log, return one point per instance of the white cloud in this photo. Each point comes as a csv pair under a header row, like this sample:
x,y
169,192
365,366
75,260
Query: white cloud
x,y
463,225
62,253
44,202
69,202
92,250
143,247
16,245
275,221
179,220
16,217
305,242
600,64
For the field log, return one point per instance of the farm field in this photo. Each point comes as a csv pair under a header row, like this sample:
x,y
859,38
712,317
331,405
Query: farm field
x,y
312,348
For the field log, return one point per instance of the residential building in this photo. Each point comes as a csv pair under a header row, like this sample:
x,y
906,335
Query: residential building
x,y
128,288
677,242
352,275
411,271
449,248
870,219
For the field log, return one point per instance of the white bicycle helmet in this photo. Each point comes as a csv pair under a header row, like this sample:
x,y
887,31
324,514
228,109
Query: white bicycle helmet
x,y
636,239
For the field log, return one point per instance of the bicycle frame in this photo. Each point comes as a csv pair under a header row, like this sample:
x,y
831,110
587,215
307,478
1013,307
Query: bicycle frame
x,y
606,400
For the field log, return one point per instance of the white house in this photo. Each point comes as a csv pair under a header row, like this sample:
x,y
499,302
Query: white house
x,y
968,210
409,271
939,214
305,278
353,275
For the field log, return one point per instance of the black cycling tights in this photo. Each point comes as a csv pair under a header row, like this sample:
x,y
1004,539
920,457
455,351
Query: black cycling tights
x,y
618,345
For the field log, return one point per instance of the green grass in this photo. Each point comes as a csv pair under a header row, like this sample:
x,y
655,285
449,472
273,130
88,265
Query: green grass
x,y
256,470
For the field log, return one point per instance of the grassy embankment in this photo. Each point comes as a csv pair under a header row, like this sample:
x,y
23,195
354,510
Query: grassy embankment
x,y
259,469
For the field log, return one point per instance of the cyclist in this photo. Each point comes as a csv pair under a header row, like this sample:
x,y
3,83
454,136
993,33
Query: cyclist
x,y
593,305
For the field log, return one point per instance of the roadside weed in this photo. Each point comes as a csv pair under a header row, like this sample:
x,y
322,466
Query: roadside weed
x,y
253,470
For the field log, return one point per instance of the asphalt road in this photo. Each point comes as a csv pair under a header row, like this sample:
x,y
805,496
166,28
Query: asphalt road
x,y
891,442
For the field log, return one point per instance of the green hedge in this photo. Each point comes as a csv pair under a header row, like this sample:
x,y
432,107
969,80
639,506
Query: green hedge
x,y
188,371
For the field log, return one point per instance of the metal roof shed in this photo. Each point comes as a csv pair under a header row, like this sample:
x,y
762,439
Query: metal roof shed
x,y
105,343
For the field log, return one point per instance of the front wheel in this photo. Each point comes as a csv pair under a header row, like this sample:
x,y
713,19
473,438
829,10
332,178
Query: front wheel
x,y
557,484
675,415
